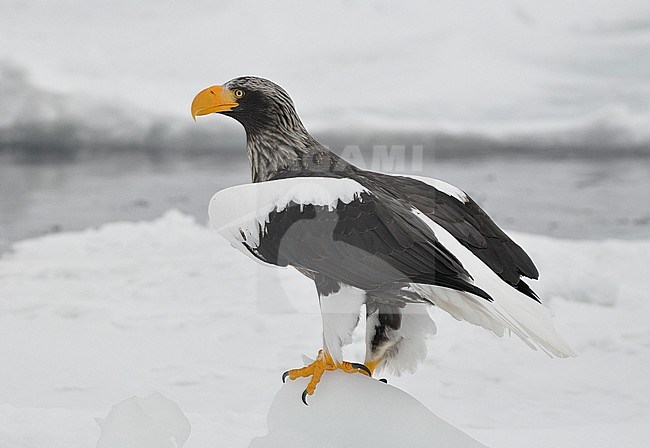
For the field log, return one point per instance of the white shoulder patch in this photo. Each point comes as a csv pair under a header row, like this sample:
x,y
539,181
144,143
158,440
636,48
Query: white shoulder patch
x,y
441,186
239,213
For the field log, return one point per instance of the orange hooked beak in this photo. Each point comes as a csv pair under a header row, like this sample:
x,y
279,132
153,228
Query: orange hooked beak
x,y
212,100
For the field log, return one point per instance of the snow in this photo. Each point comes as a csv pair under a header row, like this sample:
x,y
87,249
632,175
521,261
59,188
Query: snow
x,y
577,70
354,411
90,318
152,422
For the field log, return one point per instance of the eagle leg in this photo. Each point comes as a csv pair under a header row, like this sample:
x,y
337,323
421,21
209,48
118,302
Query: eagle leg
x,y
372,364
315,370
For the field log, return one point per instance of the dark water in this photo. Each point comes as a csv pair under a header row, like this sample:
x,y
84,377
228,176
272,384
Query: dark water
x,y
569,198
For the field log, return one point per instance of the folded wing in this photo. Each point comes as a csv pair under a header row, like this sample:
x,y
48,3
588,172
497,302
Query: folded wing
x,y
337,228
457,213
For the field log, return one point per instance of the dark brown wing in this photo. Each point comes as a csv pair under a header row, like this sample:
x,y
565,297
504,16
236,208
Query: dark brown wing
x,y
467,222
367,243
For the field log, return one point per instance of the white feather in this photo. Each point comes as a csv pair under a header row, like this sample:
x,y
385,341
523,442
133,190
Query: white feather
x,y
408,346
510,310
241,213
442,186
340,312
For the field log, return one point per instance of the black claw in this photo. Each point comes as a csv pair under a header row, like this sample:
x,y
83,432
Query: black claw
x,y
284,376
304,397
383,380
359,366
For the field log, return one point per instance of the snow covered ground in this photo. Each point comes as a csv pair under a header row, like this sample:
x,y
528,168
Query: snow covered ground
x,y
354,410
90,318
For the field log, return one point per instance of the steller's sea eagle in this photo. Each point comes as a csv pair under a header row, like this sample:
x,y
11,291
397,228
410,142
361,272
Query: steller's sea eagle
x,y
393,243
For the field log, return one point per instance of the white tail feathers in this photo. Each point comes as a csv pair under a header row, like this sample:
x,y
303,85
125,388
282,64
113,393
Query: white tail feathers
x,y
511,310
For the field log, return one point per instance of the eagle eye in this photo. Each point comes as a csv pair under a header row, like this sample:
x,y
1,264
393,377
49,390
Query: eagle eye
x,y
239,93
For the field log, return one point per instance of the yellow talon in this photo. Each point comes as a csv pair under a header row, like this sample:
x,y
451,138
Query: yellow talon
x,y
316,369
372,365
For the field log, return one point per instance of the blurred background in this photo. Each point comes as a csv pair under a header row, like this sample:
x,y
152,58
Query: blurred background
x,y
540,110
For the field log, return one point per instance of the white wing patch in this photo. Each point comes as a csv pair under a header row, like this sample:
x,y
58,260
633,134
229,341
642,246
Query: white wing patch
x,y
440,185
238,213
510,310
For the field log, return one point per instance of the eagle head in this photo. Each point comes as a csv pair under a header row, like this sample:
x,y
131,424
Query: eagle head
x,y
255,102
